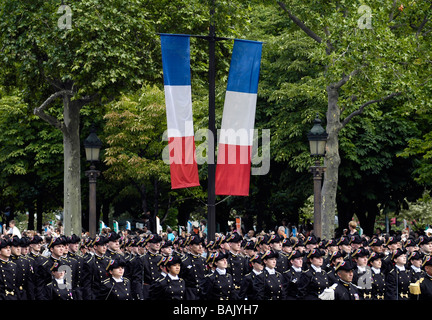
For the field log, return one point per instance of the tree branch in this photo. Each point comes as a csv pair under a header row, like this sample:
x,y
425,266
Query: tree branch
x,y
364,105
302,26
40,111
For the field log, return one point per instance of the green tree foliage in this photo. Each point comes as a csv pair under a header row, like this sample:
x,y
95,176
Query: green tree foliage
x,y
30,158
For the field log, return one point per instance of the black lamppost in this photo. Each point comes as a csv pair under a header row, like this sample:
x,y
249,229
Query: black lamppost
x,y
317,142
92,147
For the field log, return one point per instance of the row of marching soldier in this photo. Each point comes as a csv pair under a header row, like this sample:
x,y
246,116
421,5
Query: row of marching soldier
x,y
146,267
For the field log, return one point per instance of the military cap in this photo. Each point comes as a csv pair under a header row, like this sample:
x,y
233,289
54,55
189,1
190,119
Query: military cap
x,y
4,243
234,238
24,242
424,240
215,256
427,261
113,236
315,253
167,244
331,243
322,244
298,243
295,254
172,260
154,238
195,239
360,252
250,245
211,244
88,242
335,255
345,265
115,263
287,242
274,238
263,239
270,254
392,240
410,242
356,239
397,253
415,255
74,239
100,241
15,241
56,265
311,240
64,239
55,241
257,258
36,239
343,241
375,242
374,256
141,242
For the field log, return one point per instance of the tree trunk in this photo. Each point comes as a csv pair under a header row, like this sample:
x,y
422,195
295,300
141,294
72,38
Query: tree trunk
x,y
331,162
31,220
72,168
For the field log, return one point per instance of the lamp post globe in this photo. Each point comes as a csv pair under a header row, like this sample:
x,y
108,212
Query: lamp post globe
x,y
317,137
92,145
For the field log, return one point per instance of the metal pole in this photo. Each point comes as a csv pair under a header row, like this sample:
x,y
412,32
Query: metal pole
x,y
92,174
317,172
211,209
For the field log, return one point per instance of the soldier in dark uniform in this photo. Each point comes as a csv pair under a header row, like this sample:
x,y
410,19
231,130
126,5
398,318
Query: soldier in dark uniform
x,y
270,285
134,268
344,289
58,288
425,245
238,266
249,249
335,259
193,267
113,246
311,243
425,284
247,288
95,269
415,260
8,271
344,247
314,280
170,286
378,277
282,263
24,274
398,278
262,245
115,287
392,243
362,274
150,262
43,272
293,274
166,248
218,285
77,263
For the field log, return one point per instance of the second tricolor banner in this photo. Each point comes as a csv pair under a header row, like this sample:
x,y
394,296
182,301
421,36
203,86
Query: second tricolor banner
x,y
233,166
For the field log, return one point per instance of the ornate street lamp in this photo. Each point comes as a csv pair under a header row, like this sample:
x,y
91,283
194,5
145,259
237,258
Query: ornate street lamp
x,y
92,147
317,142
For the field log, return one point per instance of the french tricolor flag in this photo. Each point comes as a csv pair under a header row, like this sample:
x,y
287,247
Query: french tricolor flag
x,y
236,134
178,101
